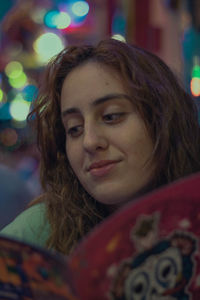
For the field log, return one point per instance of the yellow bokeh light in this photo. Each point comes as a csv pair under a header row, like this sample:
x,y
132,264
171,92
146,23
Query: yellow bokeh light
x,y
13,69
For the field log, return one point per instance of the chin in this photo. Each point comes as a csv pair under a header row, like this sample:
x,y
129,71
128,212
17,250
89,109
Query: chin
x,y
117,199
112,200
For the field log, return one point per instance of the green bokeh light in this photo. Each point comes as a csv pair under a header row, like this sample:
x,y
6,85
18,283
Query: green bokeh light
x,y
196,71
1,95
19,81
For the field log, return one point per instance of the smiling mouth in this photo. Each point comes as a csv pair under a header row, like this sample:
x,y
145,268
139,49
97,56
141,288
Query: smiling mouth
x,y
102,168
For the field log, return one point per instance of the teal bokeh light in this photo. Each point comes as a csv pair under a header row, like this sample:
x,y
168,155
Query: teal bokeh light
x,y
30,92
50,18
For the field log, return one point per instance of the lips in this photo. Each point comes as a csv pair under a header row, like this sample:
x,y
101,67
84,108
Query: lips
x,y
101,164
102,168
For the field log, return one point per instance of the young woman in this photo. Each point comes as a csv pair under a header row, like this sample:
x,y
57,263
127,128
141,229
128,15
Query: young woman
x,y
113,123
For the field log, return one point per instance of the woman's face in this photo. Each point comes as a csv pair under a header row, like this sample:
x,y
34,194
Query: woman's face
x,y
107,143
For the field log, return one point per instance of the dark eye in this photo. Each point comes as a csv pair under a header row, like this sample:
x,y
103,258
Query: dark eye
x,y
137,285
166,269
113,118
75,131
138,289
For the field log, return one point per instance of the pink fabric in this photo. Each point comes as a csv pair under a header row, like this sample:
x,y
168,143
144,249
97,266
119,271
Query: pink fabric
x,y
122,258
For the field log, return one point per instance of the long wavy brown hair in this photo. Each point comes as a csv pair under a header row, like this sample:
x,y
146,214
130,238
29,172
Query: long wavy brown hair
x,y
169,113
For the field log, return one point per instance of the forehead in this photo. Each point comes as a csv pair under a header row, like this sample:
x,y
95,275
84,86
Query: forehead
x,y
89,82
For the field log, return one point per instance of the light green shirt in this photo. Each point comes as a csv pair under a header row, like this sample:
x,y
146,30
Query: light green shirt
x,y
31,226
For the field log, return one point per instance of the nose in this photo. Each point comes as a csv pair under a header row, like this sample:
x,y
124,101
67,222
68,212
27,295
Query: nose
x,y
94,138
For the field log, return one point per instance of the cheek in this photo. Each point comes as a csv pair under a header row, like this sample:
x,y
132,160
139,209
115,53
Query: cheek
x,y
145,145
73,156
69,154
141,148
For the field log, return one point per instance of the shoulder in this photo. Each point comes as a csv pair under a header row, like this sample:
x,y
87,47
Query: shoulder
x,y
31,226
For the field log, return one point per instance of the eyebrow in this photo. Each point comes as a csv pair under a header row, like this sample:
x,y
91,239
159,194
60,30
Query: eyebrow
x,y
96,102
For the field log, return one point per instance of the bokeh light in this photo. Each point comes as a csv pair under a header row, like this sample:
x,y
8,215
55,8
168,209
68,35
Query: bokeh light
x,y
1,95
38,15
57,19
195,86
119,37
8,137
30,92
19,81
196,71
13,69
19,109
50,18
47,45
63,20
80,8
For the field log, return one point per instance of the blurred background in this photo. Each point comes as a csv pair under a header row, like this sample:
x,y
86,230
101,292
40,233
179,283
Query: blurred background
x,y
32,31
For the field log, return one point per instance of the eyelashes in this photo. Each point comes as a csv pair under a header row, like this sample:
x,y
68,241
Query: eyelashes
x,y
75,131
110,119
113,117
